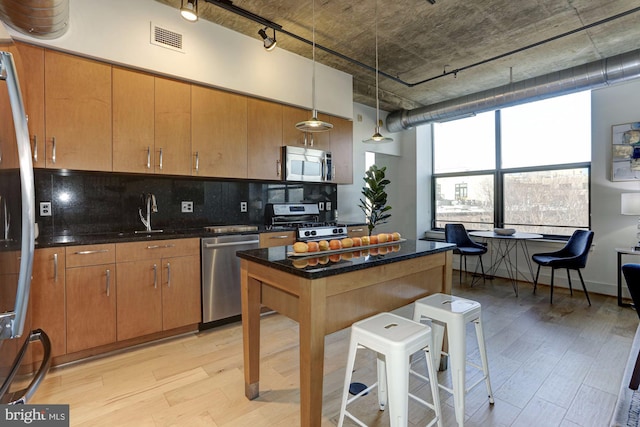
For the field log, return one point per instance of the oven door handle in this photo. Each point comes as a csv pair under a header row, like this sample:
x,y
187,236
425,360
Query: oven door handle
x,y
24,395
220,245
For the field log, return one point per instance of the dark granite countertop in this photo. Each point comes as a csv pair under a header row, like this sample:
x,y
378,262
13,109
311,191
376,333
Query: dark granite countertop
x,y
277,258
131,236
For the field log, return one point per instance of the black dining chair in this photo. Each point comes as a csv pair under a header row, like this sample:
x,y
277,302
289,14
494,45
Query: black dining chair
x,y
456,233
632,276
573,256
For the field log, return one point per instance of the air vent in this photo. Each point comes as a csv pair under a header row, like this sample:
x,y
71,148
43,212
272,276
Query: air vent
x,y
166,38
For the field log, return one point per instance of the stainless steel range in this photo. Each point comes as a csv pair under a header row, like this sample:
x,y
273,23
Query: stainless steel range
x,y
305,217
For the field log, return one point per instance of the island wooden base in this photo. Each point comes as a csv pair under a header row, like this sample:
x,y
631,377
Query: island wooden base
x,y
325,305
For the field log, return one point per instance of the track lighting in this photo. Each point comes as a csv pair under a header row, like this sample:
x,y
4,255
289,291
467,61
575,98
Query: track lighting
x,y
269,43
189,10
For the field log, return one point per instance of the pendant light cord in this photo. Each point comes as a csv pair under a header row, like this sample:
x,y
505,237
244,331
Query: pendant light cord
x,y
313,54
377,100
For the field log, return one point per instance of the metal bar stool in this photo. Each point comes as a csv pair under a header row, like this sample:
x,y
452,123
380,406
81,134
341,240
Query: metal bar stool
x,y
395,339
454,313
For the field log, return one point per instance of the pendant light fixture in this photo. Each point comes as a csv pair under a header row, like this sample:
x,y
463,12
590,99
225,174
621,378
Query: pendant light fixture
x,y
377,138
313,124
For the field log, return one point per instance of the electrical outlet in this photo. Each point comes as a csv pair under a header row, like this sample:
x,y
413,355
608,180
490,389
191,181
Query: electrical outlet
x,y
320,206
45,208
187,207
243,206
327,205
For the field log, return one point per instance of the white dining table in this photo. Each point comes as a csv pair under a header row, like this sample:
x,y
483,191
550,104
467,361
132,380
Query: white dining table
x,y
504,251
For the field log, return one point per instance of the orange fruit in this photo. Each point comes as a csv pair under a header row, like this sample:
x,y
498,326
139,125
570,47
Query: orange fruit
x,y
365,240
396,236
300,247
383,238
357,241
323,245
335,244
373,239
313,247
347,242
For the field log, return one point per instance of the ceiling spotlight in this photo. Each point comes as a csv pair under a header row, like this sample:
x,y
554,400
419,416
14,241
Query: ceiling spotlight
x,y
189,10
269,43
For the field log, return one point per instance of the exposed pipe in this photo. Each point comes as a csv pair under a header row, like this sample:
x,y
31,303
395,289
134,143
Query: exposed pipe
x,y
44,19
595,74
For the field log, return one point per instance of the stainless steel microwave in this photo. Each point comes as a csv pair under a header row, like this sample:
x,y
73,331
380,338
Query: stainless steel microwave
x,y
306,164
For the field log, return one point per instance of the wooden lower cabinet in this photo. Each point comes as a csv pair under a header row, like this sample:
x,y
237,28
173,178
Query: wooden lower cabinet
x,y
47,299
277,238
158,286
91,306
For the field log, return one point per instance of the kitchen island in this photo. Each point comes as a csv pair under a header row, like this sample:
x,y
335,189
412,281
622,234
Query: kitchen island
x,y
325,296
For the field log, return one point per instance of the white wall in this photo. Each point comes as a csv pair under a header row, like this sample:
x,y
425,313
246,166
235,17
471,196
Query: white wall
x,y
102,30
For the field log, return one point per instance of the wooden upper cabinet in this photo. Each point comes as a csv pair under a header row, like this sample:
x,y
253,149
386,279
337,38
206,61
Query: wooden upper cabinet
x,y
264,139
133,121
341,137
173,127
218,133
77,112
29,63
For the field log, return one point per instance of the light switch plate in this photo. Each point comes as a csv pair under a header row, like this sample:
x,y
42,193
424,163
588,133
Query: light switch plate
x,y
243,206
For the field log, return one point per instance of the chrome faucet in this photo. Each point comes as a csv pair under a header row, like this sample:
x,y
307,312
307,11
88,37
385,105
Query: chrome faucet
x,y
150,202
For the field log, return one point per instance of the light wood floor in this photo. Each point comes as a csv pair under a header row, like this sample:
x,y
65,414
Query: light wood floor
x,y
558,365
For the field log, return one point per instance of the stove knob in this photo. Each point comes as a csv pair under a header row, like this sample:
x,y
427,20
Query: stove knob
x,y
340,230
313,232
307,233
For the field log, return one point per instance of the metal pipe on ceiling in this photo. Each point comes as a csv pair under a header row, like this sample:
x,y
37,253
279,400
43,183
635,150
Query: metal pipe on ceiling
x,y
595,74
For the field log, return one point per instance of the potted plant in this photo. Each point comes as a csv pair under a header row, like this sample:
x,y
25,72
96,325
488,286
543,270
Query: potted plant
x,y
374,204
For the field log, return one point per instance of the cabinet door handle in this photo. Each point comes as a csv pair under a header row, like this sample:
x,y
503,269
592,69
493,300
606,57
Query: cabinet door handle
x,y
170,245
35,148
355,230
311,140
108,282
305,139
101,251
55,267
281,237
155,276
168,275
197,161
148,157
161,158
53,150
277,167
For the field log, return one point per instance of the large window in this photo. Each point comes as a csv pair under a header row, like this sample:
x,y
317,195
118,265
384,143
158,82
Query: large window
x,y
525,167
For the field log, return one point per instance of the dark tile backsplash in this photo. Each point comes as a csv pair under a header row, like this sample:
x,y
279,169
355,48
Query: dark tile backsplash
x,y
93,202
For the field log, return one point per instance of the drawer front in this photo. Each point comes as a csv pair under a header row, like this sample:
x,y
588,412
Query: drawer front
x,y
79,256
135,251
357,231
282,238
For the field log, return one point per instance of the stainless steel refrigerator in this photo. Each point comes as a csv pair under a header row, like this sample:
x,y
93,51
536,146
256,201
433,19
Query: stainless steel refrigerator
x,y
19,375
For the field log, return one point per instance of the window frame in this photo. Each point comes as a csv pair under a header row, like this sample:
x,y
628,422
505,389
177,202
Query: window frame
x,y
498,180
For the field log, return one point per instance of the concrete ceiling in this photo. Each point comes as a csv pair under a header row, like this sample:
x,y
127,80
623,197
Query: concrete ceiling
x,y
461,46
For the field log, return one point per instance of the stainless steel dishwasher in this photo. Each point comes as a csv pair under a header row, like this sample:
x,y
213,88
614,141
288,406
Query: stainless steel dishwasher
x,y
221,275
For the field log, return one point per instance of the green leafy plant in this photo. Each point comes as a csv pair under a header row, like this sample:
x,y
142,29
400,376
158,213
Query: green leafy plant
x,y
374,204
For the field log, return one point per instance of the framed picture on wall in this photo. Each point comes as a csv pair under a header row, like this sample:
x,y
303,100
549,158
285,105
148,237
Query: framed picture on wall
x,y
625,154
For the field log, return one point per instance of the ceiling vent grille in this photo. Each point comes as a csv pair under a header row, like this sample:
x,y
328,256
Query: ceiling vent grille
x,y
166,38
